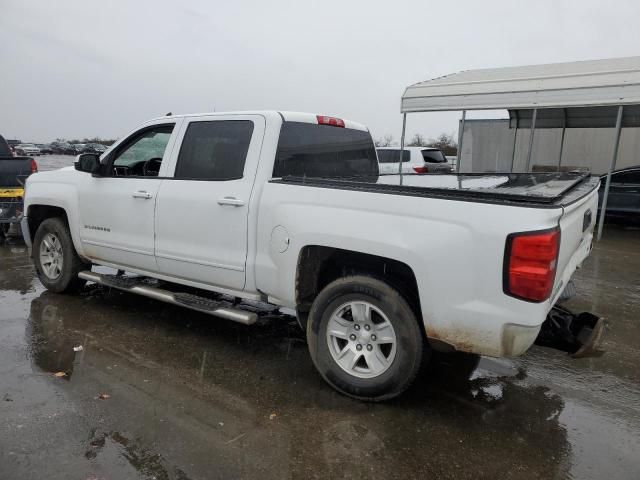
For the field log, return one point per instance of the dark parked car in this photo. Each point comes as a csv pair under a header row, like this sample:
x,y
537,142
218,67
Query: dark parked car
x,y
45,148
13,173
624,193
94,148
63,148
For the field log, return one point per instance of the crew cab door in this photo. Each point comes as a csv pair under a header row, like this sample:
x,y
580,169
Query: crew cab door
x,y
117,207
202,212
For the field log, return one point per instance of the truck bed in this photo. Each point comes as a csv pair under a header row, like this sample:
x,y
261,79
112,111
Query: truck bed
x,y
538,190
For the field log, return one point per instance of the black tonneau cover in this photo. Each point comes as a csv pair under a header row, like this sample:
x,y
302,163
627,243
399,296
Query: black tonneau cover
x,y
535,189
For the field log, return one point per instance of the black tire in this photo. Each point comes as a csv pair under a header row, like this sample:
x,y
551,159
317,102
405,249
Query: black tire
x,y
72,264
410,344
4,230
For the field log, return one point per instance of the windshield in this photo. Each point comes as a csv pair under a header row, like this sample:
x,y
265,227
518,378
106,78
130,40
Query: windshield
x,y
433,156
311,150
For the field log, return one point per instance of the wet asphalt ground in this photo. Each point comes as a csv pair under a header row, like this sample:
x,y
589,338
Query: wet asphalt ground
x,y
166,393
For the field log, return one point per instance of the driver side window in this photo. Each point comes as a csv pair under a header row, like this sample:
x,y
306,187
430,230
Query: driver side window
x,y
142,155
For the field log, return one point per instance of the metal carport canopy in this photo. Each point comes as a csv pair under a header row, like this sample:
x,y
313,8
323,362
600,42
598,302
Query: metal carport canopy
x,y
593,83
614,81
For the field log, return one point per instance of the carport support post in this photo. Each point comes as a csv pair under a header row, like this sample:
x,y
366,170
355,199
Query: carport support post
x,y
533,131
616,144
564,128
404,127
460,137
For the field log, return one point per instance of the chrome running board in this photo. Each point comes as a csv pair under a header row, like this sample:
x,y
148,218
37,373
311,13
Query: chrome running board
x,y
194,302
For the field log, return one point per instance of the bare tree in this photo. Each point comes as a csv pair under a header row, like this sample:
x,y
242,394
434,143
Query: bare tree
x,y
385,141
417,140
445,142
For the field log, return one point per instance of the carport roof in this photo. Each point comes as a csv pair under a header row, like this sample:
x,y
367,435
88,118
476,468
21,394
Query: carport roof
x,y
614,81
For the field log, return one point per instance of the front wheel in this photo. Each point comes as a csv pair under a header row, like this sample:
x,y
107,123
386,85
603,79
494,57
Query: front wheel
x,y
55,257
364,338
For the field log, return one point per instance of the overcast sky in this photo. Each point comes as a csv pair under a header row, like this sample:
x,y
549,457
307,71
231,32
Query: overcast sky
x,y
84,68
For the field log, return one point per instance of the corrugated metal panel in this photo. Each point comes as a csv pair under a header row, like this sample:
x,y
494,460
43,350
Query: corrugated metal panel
x,y
576,84
489,147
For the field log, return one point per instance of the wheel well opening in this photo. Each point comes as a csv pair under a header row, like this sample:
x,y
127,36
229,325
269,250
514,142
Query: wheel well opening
x,y
39,213
318,266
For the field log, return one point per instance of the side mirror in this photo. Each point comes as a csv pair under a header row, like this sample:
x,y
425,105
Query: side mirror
x,y
87,162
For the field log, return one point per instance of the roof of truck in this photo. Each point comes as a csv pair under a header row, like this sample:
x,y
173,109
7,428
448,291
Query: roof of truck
x,y
284,115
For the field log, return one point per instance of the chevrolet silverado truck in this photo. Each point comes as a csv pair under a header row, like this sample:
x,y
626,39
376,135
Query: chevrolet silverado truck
x,y
13,173
233,214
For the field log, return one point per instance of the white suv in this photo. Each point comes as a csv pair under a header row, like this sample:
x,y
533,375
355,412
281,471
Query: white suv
x,y
414,160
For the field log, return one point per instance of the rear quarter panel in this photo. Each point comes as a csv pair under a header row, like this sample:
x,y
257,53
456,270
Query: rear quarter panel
x,y
454,248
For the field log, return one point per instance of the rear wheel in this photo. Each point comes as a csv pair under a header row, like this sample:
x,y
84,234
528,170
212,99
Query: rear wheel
x,y
55,258
364,338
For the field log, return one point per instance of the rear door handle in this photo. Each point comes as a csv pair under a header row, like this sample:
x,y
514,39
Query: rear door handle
x,y
142,194
233,201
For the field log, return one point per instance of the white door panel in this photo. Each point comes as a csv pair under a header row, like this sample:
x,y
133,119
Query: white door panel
x,y
116,226
201,225
117,211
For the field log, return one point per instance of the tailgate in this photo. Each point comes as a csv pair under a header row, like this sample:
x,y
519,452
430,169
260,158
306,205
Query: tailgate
x,y
576,234
14,171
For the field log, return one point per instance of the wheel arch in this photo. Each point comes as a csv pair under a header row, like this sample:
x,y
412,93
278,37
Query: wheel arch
x,y
318,265
37,213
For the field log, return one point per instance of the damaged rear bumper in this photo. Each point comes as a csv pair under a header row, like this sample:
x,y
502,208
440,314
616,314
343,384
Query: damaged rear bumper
x,y
580,335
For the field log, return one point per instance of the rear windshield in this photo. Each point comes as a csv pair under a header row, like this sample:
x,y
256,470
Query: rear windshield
x,y
433,156
392,156
4,148
310,150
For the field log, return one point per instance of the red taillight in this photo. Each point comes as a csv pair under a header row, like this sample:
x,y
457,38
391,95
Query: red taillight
x,y
34,166
333,121
421,169
530,264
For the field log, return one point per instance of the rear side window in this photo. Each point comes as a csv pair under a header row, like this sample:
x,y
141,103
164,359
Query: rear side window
x,y
392,156
307,149
433,156
214,150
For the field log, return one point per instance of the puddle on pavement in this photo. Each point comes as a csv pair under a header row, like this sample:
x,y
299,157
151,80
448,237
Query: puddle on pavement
x,y
187,392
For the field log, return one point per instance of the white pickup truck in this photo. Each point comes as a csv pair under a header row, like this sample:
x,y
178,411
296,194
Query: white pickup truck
x,y
223,212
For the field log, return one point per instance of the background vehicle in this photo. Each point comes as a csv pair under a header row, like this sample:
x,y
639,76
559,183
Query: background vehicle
x,y
228,213
44,148
27,149
94,148
624,193
414,160
13,173
63,148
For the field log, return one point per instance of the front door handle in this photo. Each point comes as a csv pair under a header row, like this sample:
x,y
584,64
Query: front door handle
x,y
142,194
233,201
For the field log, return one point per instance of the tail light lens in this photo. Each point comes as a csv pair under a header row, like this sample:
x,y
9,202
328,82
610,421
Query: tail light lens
x,y
530,264
34,166
421,169
333,121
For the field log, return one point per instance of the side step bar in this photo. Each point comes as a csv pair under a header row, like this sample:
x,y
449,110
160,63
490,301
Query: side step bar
x,y
194,302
